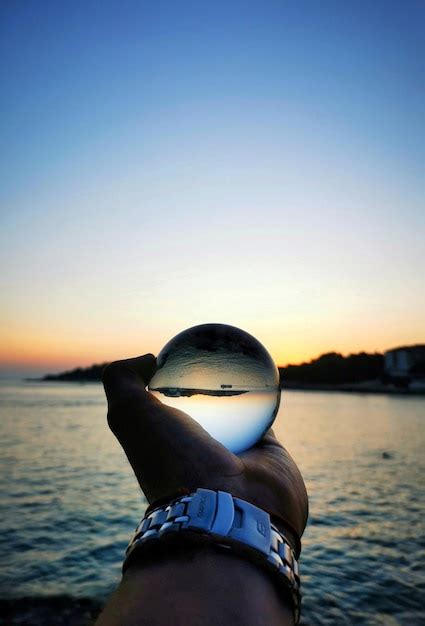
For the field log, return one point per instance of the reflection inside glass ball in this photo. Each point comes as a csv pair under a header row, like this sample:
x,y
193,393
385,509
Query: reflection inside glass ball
x,y
223,378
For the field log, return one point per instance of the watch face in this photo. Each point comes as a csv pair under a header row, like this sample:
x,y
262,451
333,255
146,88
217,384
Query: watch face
x,y
223,378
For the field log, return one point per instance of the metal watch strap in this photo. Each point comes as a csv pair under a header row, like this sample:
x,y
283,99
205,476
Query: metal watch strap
x,y
227,522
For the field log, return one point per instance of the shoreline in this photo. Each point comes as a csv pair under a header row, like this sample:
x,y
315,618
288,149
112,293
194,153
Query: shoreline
x,y
372,387
365,387
61,610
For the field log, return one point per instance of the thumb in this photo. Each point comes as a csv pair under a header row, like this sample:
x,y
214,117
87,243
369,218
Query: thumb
x,y
128,375
166,447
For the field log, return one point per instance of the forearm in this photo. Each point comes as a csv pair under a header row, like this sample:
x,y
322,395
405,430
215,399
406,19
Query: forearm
x,y
200,587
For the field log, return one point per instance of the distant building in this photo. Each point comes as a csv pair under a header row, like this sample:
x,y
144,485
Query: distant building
x,y
405,365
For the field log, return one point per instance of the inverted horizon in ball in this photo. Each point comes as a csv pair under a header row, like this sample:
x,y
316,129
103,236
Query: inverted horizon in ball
x,y
222,377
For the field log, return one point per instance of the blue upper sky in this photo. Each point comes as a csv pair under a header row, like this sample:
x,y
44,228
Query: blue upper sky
x,y
166,163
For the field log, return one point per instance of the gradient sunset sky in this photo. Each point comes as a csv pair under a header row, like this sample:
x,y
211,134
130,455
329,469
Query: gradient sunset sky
x,y
165,164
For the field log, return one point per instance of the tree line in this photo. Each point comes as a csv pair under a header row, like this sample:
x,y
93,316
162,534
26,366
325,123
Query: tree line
x,y
330,368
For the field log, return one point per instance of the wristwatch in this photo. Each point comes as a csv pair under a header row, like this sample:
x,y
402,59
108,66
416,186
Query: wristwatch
x,y
225,522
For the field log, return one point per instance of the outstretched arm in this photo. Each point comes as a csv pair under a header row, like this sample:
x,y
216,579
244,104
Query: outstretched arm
x,y
170,452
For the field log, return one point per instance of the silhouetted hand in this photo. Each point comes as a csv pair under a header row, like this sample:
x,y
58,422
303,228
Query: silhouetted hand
x,y
169,451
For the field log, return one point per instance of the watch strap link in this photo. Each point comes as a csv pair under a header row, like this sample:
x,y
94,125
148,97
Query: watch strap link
x,y
226,522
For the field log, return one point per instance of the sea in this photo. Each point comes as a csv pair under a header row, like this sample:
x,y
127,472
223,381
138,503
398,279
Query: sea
x,y
69,503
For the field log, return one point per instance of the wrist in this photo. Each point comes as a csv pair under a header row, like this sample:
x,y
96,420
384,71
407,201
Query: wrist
x,y
218,519
208,587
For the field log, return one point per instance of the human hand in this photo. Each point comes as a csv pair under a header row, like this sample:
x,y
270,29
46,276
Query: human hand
x,y
170,452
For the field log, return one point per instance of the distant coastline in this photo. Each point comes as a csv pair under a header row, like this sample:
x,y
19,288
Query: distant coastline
x,y
360,373
368,386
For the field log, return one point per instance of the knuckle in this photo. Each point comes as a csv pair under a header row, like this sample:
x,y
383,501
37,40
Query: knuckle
x,y
123,410
110,372
113,420
117,416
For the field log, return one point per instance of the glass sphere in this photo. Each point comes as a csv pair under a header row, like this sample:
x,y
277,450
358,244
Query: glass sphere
x,y
223,378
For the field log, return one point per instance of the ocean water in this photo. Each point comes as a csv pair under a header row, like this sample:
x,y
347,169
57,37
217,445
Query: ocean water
x,y
69,503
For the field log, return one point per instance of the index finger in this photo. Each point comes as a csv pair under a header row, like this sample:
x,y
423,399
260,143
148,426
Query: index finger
x,y
120,376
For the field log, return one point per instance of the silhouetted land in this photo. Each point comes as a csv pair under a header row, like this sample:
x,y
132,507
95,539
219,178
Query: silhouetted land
x,y
331,368
334,369
173,392
92,374
331,371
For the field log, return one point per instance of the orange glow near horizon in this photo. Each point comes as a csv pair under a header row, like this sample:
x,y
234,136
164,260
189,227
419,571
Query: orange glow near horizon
x,y
46,352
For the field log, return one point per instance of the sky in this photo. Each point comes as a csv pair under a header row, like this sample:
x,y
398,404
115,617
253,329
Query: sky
x,y
165,164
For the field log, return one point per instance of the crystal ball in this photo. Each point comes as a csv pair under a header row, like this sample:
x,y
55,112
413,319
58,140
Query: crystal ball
x,y
223,378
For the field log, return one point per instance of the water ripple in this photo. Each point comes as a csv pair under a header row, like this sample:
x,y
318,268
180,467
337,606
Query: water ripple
x,y
70,504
